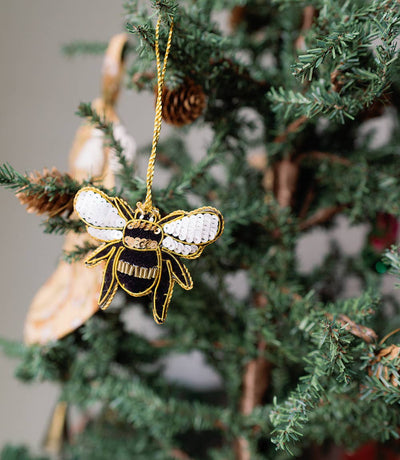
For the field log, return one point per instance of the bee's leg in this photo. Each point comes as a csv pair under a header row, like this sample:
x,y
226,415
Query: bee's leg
x,y
110,285
180,273
101,253
162,293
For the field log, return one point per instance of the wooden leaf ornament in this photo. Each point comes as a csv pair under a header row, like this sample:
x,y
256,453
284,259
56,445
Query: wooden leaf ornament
x,y
66,300
142,253
69,296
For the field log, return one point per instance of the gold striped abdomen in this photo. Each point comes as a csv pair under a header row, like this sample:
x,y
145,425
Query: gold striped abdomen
x,y
138,272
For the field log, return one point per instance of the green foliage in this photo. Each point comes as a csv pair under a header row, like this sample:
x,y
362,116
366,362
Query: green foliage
x,y
13,180
347,49
60,225
86,111
80,47
18,453
51,188
392,259
78,253
308,110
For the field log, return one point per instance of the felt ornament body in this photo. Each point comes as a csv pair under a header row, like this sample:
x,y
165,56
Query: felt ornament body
x,y
69,296
142,252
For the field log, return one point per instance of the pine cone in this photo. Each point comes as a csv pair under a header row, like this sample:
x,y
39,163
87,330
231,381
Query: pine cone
x,y
184,104
42,203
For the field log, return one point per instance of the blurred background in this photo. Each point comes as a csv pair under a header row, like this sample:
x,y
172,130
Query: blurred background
x,y
40,90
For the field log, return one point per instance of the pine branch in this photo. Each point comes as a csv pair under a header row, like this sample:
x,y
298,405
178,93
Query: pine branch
x,y
333,45
50,186
292,128
316,101
10,178
179,454
85,110
290,417
391,258
220,75
168,8
60,225
321,216
12,349
377,388
193,178
78,253
80,47
323,156
365,333
126,397
10,452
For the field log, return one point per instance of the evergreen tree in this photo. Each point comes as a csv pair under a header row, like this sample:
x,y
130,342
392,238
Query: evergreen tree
x,y
301,365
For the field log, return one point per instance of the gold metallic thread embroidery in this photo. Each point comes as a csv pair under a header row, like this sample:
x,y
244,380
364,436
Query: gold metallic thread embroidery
x,y
138,272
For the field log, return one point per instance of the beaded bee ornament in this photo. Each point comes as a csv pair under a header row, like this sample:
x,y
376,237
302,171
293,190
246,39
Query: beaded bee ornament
x,y
141,251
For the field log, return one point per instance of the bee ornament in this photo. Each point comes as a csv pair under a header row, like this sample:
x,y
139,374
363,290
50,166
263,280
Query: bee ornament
x,y
142,251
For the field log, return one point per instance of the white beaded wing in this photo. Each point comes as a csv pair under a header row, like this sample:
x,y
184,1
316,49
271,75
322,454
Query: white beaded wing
x,y
187,233
104,221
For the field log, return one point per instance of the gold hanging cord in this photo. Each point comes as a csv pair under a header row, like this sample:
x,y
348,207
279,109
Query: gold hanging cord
x,y
148,205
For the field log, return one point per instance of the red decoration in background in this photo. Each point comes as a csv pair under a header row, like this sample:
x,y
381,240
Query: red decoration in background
x,y
371,451
384,233
366,452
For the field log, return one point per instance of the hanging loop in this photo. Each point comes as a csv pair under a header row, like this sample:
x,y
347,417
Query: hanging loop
x,y
148,205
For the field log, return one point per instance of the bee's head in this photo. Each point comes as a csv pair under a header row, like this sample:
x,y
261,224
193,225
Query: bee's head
x,y
142,232
141,212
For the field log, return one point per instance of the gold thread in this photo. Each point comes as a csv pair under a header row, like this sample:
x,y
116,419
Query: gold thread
x,y
111,290
122,206
139,272
188,284
110,298
160,319
148,205
93,260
